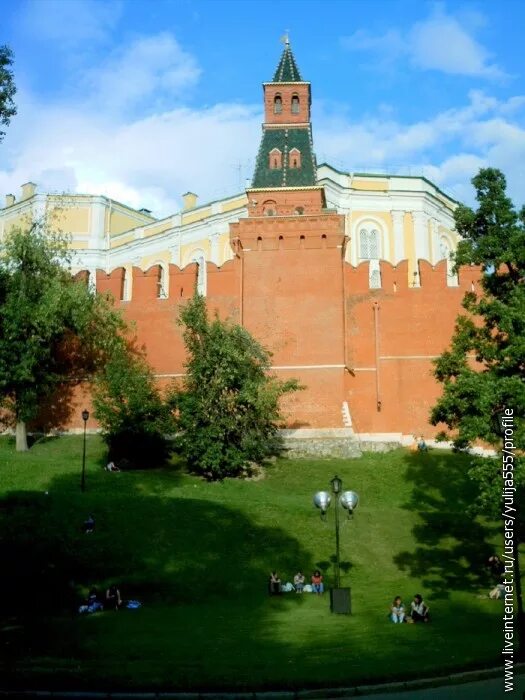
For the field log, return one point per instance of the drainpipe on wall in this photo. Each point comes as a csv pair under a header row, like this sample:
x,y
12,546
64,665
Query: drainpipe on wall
x,y
376,339
343,255
239,254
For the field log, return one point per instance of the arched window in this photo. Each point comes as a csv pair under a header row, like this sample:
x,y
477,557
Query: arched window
x,y
368,244
276,159
295,104
269,208
198,257
299,211
277,104
294,158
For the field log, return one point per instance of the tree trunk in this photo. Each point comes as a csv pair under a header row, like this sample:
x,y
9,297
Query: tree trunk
x,y
21,436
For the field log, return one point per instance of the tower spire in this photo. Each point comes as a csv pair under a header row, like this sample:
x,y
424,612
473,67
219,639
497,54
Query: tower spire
x,y
287,70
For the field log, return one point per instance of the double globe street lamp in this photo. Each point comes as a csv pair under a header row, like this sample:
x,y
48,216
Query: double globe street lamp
x,y
349,500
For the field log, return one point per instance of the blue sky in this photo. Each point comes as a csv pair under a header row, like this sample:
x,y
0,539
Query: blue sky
x,y
144,100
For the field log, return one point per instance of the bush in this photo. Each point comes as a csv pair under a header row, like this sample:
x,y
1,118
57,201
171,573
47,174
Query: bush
x,y
135,420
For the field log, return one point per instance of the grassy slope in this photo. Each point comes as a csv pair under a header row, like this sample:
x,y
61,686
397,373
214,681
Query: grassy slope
x,y
198,556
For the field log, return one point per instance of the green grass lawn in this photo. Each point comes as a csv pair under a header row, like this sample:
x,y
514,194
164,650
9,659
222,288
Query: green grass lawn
x,y
198,556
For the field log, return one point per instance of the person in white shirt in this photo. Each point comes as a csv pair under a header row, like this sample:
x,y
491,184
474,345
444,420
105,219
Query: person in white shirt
x,y
419,609
397,610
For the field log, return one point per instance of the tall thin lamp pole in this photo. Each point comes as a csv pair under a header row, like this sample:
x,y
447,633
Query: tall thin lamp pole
x,y
85,417
337,486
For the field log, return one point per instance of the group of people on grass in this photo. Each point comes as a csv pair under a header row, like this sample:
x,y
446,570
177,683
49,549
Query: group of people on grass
x,y
94,602
316,585
418,610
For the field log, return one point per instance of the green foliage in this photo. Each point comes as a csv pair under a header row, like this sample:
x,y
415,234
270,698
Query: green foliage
x,y
52,328
228,407
483,372
128,405
7,88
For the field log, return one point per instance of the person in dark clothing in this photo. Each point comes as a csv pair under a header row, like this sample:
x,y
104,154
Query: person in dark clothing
x,y
274,584
113,599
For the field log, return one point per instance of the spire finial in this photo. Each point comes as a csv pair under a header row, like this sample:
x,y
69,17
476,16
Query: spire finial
x,y
286,37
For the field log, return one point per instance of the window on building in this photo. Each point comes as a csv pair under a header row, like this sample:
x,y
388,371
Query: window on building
x,y
368,244
294,158
295,104
299,211
277,104
269,208
276,159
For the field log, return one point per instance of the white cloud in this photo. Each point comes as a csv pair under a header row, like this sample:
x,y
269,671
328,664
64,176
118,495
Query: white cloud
x,y
479,134
440,43
145,162
149,69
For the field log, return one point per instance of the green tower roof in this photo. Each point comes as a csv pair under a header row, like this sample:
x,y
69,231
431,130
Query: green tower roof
x,y
287,71
285,140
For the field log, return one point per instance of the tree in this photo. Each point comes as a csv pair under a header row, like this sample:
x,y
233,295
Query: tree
x,y
136,422
493,331
52,328
228,406
7,88
483,372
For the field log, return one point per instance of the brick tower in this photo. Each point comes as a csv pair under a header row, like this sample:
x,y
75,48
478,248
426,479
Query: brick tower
x,y
291,251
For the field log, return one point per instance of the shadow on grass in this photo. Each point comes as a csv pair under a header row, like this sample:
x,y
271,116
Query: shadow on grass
x,y
453,545
168,552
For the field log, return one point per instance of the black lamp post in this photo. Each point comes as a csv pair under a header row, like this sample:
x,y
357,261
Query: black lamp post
x,y
340,597
337,485
85,418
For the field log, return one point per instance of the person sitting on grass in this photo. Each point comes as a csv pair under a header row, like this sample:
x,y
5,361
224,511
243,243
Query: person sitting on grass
x,y
274,584
89,524
112,467
419,610
497,592
397,610
298,582
113,599
317,582
496,566
422,445
92,603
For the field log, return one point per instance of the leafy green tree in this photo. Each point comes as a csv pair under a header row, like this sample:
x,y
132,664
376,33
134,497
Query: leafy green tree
x,y
52,328
135,420
228,406
483,371
7,88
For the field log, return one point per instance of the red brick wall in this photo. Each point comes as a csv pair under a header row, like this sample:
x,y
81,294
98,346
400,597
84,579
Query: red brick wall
x,y
286,283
